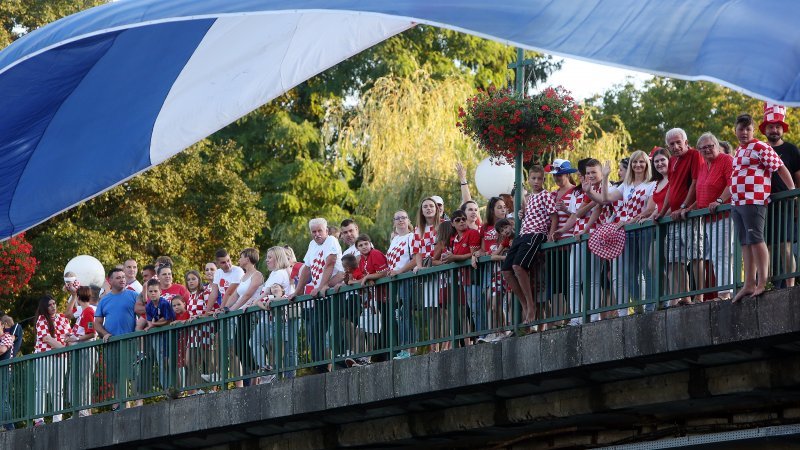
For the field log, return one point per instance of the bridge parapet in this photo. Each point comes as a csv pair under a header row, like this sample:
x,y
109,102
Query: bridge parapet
x,y
714,366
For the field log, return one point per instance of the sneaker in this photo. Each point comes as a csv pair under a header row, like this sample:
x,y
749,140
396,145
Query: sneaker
x,y
575,321
403,354
266,379
357,362
38,422
503,335
209,378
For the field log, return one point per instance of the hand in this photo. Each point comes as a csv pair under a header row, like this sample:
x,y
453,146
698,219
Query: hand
x,y
586,185
606,170
314,292
267,303
415,269
713,206
106,337
561,206
551,237
291,296
462,172
391,273
677,215
474,261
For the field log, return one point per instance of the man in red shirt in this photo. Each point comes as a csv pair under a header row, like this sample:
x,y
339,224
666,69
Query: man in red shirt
x,y
684,241
713,189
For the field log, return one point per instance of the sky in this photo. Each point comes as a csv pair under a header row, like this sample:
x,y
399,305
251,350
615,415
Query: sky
x,y
585,79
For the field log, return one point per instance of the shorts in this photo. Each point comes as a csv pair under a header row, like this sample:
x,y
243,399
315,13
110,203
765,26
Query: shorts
x,y
685,241
523,251
748,221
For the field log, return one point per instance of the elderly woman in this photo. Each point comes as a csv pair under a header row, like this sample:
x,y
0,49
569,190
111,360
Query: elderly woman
x,y
52,330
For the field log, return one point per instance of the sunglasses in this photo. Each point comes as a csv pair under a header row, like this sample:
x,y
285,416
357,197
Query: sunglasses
x,y
459,219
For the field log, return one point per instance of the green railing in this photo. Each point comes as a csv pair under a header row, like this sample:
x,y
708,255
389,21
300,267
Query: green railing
x,y
438,308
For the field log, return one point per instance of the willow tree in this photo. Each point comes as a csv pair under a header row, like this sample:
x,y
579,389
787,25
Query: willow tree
x,y
402,133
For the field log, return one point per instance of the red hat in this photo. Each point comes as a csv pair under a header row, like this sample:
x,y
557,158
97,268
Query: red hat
x,y
607,241
773,113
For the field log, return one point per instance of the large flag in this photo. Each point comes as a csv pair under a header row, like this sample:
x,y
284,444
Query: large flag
x,y
98,97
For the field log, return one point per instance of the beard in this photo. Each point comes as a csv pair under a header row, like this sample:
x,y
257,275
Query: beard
x,y
774,137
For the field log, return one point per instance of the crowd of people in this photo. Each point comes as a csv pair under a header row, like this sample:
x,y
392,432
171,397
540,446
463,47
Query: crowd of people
x,y
670,182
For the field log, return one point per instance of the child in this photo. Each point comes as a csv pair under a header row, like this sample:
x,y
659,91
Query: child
x,y
374,265
151,294
538,225
181,316
159,310
81,332
352,272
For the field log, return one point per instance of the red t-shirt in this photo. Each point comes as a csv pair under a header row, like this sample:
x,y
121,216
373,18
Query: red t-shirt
x,y
660,196
85,324
489,238
373,262
182,316
712,179
466,243
175,289
682,171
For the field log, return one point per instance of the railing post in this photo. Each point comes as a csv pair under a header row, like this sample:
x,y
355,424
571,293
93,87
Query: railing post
x,y
223,338
391,319
30,389
172,359
335,325
278,316
455,313
587,278
658,269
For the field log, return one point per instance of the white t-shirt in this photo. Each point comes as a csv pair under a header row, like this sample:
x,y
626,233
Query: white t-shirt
x,y
399,253
281,277
352,250
134,286
316,255
224,279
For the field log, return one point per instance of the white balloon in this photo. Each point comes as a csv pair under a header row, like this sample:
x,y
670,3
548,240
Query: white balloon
x,y
492,179
88,269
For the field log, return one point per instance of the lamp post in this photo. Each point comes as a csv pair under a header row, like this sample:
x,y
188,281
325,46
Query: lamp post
x,y
519,90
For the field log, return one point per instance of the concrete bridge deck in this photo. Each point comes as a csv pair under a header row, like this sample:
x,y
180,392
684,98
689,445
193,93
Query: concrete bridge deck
x,y
688,371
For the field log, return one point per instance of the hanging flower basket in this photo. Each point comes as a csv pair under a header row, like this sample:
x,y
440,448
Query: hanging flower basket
x,y
505,125
17,266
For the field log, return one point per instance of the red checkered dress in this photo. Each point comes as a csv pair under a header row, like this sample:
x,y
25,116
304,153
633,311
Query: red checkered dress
x,y
424,242
399,253
752,167
538,208
62,327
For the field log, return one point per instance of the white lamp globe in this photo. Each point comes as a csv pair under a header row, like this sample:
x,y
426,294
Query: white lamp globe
x,y
88,269
492,179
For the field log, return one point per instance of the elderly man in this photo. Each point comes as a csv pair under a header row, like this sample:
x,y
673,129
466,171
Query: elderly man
x,y
782,227
712,191
322,269
684,242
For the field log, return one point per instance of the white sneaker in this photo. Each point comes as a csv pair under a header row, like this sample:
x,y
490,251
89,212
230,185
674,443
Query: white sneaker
x,y
575,321
403,354
209,378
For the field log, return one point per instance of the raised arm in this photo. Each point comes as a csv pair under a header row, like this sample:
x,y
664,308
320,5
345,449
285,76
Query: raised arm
x,y
462,178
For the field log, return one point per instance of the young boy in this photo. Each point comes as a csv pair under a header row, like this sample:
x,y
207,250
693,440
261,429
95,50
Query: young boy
x,y
159,313
538,225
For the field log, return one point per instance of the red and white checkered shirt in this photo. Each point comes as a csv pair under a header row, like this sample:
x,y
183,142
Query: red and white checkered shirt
x,y
197,301
632,205
62,328
399,253
7,340
538,208
578,200
424,242
316,255
753,165
563,216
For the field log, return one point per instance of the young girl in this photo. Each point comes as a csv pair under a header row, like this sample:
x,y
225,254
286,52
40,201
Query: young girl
x,y
181,316
437,291
399,259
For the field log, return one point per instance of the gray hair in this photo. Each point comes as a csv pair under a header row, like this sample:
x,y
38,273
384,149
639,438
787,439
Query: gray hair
x,y
319,221
673,132
708,136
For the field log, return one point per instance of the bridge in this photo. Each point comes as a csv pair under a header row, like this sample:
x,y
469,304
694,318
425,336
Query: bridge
x,y
713,372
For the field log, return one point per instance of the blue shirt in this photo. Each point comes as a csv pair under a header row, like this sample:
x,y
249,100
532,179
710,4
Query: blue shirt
x,y
117,311
162,311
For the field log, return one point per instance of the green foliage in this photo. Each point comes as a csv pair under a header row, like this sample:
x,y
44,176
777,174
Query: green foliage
x,y
665,103
403,135
19,16
185,208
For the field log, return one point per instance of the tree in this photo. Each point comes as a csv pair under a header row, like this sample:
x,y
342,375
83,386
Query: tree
x,y
185,208
665,103
17,17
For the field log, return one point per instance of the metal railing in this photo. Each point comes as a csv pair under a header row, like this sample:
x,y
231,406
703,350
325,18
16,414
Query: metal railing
x,y
438,308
